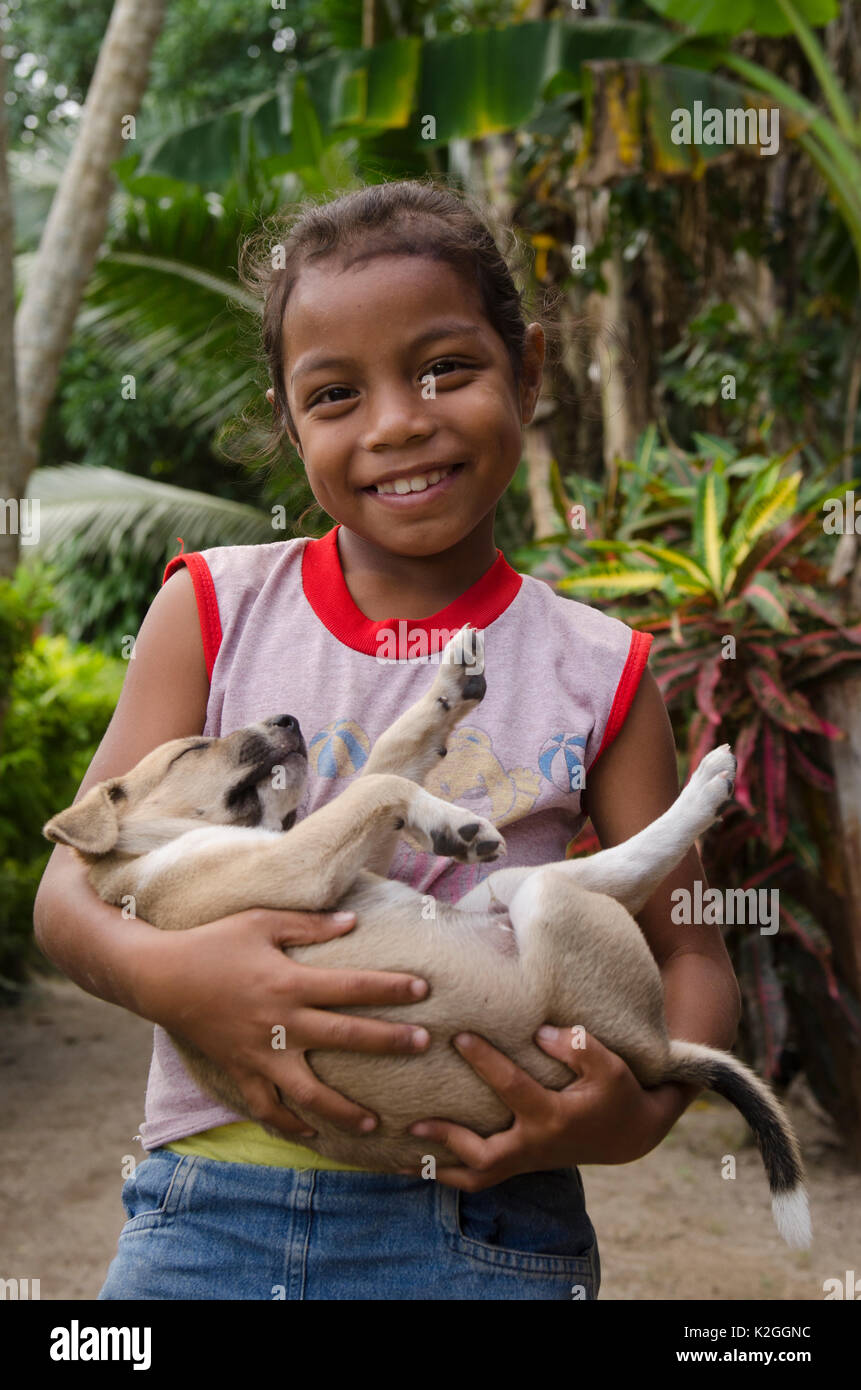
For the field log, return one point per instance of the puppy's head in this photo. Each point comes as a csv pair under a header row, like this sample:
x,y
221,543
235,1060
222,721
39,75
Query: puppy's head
x,y
253,777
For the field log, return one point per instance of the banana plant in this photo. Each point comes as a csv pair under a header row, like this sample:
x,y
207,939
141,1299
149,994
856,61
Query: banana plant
x,y
831,141
431,91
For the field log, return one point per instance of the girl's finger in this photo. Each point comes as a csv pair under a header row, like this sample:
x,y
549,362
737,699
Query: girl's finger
x,y
325,988
296,1084
295,928
464,1143
522,1095
579,1050
261,1097
347,1033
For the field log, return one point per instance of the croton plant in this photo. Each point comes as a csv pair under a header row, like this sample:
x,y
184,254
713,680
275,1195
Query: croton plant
x,y
724,559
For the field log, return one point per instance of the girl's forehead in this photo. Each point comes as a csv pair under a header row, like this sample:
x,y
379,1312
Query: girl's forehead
x,y
396,296
412,283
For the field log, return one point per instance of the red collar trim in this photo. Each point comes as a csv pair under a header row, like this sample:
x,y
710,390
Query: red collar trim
x,y
326,591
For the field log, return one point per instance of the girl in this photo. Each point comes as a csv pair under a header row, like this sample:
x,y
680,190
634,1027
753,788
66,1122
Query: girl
x,y
402,371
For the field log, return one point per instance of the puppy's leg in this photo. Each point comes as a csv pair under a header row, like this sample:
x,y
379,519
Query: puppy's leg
x,y
495,892
631,872
343,837
313,866
414,744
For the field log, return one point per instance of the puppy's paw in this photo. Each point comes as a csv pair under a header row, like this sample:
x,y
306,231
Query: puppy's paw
x,y
712,784
460,682
455,833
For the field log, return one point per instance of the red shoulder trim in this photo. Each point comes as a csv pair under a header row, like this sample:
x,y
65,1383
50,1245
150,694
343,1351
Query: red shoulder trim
x,y
638,655
207,603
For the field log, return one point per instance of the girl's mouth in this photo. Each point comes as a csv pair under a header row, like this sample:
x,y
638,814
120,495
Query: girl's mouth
x,y
406,493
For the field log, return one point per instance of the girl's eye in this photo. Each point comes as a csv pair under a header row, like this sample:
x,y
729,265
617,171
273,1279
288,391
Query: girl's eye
x,y
327,397
451,362
321,399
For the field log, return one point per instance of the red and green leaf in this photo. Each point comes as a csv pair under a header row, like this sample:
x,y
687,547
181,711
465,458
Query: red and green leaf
x,y
770,601
807,930
816,776
744,748
707,683
774,777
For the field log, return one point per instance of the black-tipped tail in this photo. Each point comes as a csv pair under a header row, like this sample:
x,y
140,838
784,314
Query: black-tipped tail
x,y
721,1072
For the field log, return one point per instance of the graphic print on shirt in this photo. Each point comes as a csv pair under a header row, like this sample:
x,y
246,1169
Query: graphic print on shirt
x,y
562,761
471,776
339,750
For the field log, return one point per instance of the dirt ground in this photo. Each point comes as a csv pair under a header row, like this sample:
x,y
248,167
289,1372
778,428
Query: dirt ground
x,y
72,1080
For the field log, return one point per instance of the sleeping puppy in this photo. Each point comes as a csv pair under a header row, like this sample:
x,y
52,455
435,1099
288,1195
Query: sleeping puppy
x,y
204,827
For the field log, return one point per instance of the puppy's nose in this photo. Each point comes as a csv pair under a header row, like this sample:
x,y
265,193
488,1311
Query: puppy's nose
x,y
286,721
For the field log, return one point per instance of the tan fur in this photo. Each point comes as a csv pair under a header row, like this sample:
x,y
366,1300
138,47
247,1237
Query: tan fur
x,y
528,946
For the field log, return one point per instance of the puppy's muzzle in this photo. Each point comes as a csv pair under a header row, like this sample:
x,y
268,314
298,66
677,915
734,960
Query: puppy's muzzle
x,y
289,734
271,742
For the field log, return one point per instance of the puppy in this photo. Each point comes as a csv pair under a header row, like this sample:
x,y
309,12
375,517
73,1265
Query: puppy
x,y
204,827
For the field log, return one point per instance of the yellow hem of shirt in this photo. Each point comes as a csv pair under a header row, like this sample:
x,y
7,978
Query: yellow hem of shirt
x,y
245,1142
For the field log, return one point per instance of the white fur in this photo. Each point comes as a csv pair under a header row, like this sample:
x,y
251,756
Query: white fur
x,y
792,1218
149,866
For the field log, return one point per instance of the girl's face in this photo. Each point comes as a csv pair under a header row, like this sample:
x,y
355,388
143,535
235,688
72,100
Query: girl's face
x,y
392,371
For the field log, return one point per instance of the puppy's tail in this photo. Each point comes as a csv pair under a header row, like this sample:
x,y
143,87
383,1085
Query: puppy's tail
x,y
721,1072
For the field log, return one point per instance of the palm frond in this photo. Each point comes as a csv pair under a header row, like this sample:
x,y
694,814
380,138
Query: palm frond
x,y
102,509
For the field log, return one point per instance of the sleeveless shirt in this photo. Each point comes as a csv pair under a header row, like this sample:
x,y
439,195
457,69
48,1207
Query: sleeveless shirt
x,y
282,635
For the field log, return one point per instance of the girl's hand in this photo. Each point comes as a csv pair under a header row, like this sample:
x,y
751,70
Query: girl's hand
x,y
224,985
604,1116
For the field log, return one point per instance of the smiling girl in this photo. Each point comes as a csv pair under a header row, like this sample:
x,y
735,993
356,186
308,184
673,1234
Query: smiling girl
x,y
403,372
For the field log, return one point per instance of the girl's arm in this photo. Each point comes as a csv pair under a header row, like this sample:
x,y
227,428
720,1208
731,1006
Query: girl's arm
x,y
224,984
606,1116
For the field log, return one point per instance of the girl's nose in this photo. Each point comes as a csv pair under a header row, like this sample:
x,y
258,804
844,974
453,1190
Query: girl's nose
x,y
398,414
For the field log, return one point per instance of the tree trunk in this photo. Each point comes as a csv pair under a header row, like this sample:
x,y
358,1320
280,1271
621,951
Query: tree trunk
x,y
76,223
538,453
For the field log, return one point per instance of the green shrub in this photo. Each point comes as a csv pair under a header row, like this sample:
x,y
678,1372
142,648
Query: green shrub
x,y
60,701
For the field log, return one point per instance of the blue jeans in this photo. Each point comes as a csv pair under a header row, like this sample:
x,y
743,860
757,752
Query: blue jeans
x,y
202,1229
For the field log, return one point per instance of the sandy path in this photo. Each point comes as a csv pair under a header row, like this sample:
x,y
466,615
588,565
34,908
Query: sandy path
x,y
72,1079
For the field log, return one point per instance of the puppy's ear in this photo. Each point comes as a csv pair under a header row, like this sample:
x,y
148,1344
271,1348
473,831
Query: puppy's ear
x,y
90,826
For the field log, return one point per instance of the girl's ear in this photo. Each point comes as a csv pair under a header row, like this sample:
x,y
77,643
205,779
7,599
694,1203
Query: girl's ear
x,y
533,369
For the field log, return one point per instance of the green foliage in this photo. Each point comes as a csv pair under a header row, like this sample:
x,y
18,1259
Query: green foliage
x,y
57,707
93,422
23,601
792,367
64,39
736,16
109,534
724,559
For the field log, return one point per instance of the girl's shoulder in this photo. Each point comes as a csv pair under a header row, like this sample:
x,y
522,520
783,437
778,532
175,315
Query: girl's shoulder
x,y
240,566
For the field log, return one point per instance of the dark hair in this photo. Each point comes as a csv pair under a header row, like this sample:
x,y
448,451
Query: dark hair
x,y
417,217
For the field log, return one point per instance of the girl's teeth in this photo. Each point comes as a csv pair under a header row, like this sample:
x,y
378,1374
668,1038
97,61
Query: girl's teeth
x,y
417,484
